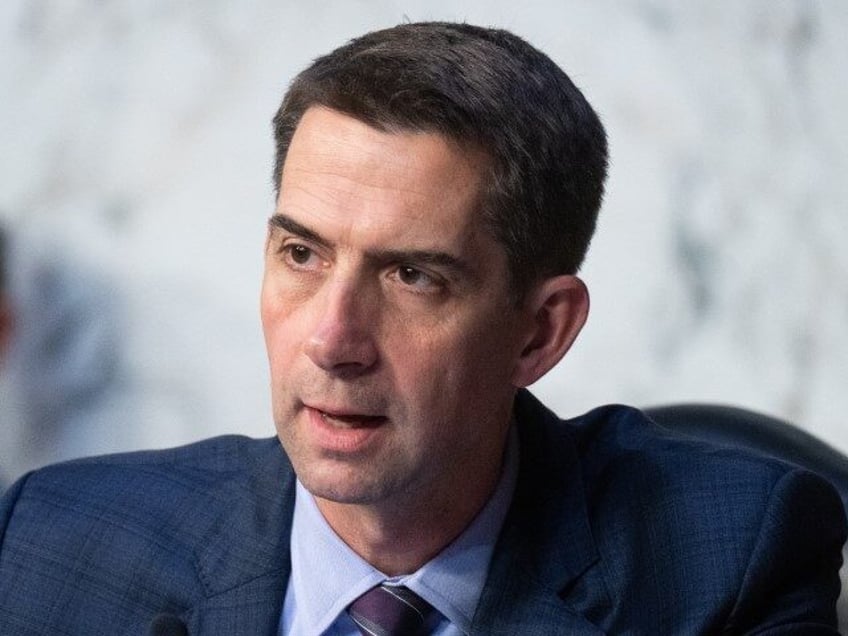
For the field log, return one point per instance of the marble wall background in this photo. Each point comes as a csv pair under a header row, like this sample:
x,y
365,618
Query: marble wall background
x,y
135,167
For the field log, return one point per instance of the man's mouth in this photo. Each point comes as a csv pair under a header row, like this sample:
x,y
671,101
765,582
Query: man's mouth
x,y
349,420
343,430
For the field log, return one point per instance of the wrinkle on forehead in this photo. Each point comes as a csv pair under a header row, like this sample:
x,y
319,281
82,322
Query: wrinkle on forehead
x,y
336,161
408,152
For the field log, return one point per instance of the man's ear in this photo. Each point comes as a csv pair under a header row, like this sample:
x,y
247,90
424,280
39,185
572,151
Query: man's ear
x,y
557,310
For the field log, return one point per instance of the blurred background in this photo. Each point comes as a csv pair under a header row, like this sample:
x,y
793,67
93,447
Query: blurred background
x,y
135,187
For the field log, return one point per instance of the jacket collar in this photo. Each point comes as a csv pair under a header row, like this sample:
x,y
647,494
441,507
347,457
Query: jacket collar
x,y
543,571
245,564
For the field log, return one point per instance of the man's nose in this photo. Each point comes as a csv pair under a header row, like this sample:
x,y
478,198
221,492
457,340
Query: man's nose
x,y
342,341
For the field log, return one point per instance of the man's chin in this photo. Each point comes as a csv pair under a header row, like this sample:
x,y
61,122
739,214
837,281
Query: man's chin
x,y
346,486
339,494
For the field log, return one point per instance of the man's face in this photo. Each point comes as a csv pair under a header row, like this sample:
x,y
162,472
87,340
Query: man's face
x,y
391,333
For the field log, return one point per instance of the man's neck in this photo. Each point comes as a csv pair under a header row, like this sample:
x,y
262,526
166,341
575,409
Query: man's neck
x,y
397,539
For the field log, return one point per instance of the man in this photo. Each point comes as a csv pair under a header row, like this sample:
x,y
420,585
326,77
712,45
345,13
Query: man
x,y
438,186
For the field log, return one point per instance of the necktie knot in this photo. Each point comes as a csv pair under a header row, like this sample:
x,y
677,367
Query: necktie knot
x,y
388,610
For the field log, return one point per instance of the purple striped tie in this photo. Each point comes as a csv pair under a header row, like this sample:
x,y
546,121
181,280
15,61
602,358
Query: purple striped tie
x,y
391,611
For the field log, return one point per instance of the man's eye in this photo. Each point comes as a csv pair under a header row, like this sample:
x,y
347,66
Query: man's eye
x,y
299,254
416,279
410,275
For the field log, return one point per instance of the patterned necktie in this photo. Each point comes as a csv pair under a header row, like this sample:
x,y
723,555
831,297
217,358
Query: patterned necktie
x,y
391,611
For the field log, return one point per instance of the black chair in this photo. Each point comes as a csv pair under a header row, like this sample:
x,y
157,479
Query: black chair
x,y
731,426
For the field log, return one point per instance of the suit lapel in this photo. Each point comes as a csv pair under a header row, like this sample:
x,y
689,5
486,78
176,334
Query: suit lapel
x,y
245,564
543,573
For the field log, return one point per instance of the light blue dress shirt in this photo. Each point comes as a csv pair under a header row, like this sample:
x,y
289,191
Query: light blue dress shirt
x,y
327,575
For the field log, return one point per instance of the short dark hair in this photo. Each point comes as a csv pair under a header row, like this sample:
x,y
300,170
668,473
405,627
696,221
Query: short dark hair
x,y
488,88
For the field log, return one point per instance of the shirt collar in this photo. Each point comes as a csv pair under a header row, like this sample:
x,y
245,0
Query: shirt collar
x,y
327,575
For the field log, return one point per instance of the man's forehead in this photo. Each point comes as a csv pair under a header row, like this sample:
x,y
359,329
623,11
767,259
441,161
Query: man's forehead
x,y
337,128
333,152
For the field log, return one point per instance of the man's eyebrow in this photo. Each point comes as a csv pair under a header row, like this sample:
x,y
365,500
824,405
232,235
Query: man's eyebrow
x,y
453,264
283,222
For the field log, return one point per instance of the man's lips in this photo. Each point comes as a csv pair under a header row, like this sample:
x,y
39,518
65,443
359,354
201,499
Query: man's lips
x,y
345,418
343,432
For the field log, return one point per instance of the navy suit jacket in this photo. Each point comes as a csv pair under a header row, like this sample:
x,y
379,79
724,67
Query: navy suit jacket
x,y
617,526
